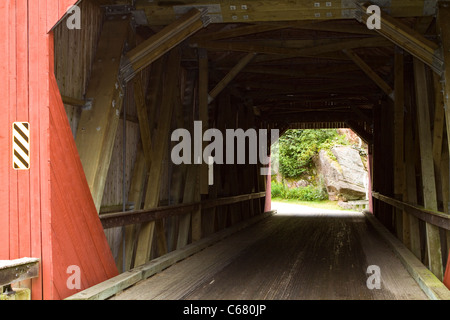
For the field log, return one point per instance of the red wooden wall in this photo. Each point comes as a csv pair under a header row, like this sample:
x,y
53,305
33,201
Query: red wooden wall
x,y
46,212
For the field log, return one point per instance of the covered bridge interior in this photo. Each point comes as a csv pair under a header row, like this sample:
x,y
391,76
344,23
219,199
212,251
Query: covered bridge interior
x,y
129,73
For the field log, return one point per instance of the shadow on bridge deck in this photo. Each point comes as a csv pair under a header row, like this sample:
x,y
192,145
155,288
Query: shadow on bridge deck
x,y
295,254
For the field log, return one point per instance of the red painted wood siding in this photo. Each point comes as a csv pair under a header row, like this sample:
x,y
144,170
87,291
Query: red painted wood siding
x,y
45,212
77,233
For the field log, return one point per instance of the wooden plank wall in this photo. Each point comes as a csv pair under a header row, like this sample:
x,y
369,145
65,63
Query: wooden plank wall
x,y
424,161
74,54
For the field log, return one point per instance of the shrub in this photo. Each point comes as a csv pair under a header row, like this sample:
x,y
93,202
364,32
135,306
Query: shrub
x,y
278,190
308,193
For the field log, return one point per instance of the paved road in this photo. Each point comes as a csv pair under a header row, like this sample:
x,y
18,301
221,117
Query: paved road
x,y
300,253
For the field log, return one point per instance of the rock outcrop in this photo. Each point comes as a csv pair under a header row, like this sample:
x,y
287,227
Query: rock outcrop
x,y
345,178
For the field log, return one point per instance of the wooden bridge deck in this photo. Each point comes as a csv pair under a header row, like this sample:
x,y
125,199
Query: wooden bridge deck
x,y
289,256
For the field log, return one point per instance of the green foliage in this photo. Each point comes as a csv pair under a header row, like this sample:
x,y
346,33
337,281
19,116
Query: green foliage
x,y
298,147
308,193
278,190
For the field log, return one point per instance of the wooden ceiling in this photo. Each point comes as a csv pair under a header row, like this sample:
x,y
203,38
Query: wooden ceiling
x,y
313,62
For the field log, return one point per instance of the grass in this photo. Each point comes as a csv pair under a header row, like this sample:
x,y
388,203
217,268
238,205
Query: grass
x,y
323,204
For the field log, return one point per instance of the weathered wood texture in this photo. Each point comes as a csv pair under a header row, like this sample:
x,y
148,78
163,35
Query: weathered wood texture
x,y
443,16
264,11
427,166
74,55
98,126
298,256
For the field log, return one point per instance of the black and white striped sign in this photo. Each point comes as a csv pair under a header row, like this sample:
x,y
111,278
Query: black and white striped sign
x,y
21,145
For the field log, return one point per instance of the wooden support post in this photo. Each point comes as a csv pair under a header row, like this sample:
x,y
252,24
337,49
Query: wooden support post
x,y
438,132
443,29
142,113
208,216
203,111
445,160
221,104
98,126
427,165
190,196
171,81
409,185
135,196
154,91
402,221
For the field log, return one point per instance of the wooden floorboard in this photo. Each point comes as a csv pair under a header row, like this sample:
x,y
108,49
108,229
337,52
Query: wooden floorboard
x,y
294,256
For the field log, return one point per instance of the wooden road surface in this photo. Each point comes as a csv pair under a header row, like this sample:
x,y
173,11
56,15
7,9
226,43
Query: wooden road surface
x,y
301,255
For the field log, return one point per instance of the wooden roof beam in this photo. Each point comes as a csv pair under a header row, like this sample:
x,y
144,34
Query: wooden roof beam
x,y
313,116
156,46
367,137
403,36
309,51
251,11
370,73
230,76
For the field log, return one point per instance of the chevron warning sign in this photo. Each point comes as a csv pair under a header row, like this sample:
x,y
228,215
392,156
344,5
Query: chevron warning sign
x,y
21,145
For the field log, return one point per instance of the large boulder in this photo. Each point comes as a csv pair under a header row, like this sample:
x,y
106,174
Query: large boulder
x,y
345,176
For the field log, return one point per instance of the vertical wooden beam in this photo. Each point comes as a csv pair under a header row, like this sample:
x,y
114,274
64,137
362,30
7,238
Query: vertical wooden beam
x,y
410,187
402,222
443,29
221,104
427,165
142,113
98,126
135,196
190,194
445,172
154,91
160,146
203,79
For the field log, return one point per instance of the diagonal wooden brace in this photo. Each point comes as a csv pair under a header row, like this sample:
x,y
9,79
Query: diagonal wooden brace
x,y
153,48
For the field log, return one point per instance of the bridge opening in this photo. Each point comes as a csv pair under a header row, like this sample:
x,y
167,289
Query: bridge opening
x,y
321,165
128,81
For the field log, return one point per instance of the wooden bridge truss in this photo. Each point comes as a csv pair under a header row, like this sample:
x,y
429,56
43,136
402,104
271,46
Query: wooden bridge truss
x,y
103,100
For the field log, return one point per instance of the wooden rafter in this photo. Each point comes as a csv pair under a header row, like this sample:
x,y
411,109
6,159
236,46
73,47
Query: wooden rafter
x,y
370,73
406,38
163,13
366,136
162,42
230,76
308,51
